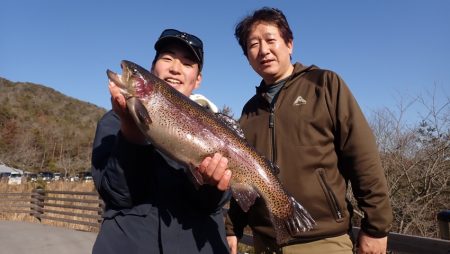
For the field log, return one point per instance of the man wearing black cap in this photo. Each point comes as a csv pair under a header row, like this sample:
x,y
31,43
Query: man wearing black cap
x,y
151,206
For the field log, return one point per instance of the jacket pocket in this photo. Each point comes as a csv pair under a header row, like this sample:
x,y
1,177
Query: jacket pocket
x,y
332,200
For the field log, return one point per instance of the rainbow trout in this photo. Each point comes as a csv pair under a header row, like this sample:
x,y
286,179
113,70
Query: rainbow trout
x,y
187,133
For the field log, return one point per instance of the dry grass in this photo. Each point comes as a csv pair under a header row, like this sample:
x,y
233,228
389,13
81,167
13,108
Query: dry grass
x,y
56,186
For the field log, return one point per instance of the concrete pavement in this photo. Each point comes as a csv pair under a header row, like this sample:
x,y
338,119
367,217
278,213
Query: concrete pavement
x,y
17,237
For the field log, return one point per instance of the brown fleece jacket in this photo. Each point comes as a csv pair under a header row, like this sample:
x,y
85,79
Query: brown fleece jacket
x,y
317,135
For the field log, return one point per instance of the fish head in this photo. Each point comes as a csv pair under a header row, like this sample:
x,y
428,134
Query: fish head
x,y
134,81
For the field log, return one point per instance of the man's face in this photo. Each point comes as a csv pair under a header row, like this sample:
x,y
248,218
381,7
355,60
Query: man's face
x,y
268,53
177,66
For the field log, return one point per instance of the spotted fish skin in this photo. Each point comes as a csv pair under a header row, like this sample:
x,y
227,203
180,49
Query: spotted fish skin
x,y
187,133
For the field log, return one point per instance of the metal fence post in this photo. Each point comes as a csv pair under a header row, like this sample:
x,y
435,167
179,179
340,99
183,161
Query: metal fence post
x,y
443,221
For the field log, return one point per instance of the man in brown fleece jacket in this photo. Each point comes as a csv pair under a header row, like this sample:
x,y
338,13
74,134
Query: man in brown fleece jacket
x,y
307,122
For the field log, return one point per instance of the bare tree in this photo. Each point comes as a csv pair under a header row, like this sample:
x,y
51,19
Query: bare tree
x,y
416,159
226,110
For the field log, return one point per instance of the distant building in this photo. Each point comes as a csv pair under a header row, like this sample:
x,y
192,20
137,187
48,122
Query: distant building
x,y
6,169
12,175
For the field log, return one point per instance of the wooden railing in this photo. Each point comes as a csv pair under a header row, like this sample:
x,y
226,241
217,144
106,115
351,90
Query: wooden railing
x,y
15,202
86,208
79,208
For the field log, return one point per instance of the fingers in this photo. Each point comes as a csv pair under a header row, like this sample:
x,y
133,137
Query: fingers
x,y
217,167
368,244
117,99
232,243
214,171
209,164
224,182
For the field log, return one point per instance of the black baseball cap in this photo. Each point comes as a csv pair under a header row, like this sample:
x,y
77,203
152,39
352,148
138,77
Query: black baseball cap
x,y
191,41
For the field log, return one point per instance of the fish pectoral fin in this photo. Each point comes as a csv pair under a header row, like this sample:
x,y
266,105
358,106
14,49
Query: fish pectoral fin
x,y
138,111
244,194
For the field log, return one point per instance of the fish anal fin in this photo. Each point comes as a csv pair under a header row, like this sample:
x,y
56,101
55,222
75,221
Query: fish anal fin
x,y
244,194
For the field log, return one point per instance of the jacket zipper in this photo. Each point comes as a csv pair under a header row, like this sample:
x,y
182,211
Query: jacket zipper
x,y
272,130
332,196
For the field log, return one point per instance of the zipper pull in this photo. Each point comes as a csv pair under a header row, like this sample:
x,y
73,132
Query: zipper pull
x,y
271,119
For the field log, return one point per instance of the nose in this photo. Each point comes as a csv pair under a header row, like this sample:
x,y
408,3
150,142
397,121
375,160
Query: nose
x,y
264,48
175,67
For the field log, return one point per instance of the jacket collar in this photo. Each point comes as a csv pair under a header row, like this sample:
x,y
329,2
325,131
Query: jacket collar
x,y
299,69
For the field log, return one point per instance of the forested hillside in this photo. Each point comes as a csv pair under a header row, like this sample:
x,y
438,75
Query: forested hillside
x,y
44,130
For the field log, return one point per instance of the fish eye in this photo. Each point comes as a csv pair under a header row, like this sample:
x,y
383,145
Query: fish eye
x,y
134,71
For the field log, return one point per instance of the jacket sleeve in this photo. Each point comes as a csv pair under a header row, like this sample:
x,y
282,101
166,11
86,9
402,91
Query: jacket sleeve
x,y
112,156
236,220
210,199
359,159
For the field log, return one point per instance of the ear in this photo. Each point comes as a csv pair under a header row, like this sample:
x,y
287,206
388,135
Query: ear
x,y
198,81
290,46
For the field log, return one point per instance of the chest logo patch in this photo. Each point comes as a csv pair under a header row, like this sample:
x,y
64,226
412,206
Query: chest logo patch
x,y
299,101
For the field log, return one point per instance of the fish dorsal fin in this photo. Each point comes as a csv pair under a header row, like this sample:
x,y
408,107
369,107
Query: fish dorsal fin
x,y
245,195
231,123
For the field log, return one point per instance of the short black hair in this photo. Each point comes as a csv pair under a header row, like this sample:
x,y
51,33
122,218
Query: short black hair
x,y
264,15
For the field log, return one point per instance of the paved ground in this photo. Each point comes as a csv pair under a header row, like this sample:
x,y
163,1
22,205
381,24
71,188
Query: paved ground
x,y
18,237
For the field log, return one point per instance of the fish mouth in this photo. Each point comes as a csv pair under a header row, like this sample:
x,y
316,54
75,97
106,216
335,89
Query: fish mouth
x,y
116,78
132,76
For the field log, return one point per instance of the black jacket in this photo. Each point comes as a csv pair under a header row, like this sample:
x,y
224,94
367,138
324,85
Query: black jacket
x,y
151,207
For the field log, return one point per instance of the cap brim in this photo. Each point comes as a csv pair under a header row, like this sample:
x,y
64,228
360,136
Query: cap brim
x,y
162,42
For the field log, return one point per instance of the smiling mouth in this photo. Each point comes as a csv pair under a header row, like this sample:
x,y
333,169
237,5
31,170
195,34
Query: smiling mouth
x,y
173,82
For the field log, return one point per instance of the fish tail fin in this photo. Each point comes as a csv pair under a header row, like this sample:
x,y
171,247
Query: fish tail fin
x,y
282,233
299,221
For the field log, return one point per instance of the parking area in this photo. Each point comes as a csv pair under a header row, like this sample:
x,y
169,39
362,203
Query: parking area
x,y
25,237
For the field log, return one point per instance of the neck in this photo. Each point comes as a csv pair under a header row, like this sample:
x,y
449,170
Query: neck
x,y
275,79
